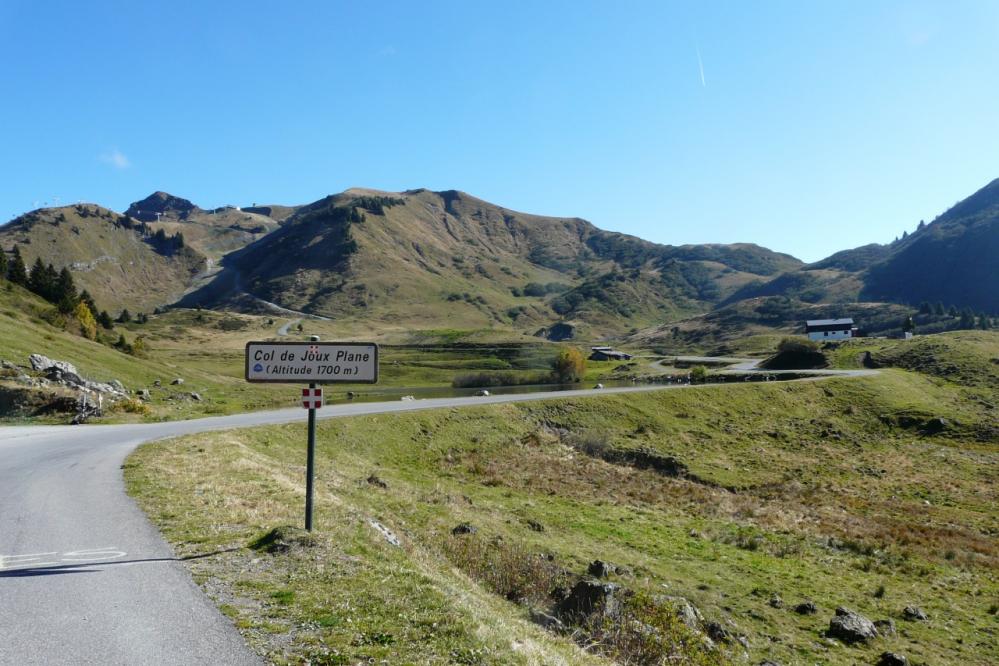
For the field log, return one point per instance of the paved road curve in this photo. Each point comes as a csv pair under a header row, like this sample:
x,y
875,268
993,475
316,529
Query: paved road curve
x,y
86,579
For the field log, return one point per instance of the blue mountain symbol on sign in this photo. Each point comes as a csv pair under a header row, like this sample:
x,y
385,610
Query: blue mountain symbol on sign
x,y
258,368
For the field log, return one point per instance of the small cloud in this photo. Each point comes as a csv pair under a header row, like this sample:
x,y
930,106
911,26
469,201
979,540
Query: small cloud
x,y
115,158
700,66
387,51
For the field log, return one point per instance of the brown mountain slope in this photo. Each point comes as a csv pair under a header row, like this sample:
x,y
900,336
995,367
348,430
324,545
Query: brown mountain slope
x,y
449,259
108,255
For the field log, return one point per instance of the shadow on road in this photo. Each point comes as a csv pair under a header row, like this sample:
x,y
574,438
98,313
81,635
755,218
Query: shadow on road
x,y
88,567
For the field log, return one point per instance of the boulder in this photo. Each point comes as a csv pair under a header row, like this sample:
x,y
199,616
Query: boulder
x,y
545,620
892,659
588,597
41,363
806,607
386,533
157,383
463,528
145,395
375,480
851,627
65,378
117,385
600,569
885,628
178,381
717,633
195,396
776,601
914,614
685,611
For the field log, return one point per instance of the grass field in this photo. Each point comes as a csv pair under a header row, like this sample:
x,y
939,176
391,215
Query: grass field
x,y
830,491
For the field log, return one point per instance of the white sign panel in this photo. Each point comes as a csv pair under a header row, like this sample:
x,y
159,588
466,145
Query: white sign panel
x,y
307,362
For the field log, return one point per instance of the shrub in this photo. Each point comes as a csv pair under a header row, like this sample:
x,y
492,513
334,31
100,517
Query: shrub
x,y
88,325
648,630
592,443
698,373
797,346
506,569
131,406
569,366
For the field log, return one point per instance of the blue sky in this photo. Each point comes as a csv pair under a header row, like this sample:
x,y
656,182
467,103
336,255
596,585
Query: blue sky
x,y
807,127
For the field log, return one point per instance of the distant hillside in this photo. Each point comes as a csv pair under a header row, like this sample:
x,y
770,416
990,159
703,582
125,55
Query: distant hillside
x,y
447,258
213,233
161,203
776,315
953,260
119,261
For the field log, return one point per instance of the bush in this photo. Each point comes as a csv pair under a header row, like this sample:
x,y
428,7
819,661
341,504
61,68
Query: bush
x,y
797,346
131,406
698,373
487,379
569,366
509,570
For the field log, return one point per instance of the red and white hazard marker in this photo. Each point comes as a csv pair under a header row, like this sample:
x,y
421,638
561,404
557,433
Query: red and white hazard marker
x,y
312,398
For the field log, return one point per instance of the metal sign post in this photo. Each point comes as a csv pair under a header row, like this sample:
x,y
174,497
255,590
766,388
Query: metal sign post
x,y
310,465
317,363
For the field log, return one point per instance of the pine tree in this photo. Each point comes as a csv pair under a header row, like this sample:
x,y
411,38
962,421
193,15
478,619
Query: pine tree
x,y
3,264
18,273
124,317
952,311
38,279
967,319
983,321
908,325
938,309
51,280
65,293
925,308
104,319
85,297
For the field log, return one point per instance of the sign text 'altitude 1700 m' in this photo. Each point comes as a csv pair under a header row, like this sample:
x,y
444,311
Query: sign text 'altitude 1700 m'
x,y
312,362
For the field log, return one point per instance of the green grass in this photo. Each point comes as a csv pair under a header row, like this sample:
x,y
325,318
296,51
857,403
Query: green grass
x,y
800,490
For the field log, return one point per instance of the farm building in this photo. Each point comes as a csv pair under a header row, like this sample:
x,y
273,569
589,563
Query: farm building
x,y
608,354
830,329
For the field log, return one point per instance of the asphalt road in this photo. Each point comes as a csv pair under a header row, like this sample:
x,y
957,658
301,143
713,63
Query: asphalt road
x,y
86,579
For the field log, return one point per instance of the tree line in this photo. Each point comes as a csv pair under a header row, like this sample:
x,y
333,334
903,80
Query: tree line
x,y
58,288
967,318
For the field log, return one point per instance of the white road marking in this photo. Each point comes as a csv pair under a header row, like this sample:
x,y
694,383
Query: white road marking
x,y
89,555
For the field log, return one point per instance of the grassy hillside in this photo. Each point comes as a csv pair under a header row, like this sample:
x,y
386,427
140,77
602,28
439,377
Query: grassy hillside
x,y
206,350
758,323
107,254
426,257
745,500
970,358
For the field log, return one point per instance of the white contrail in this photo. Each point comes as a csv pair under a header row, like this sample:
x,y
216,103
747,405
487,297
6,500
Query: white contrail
x,y
700,66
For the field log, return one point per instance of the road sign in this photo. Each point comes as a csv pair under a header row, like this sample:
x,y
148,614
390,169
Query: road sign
x,y
312,398
312,362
